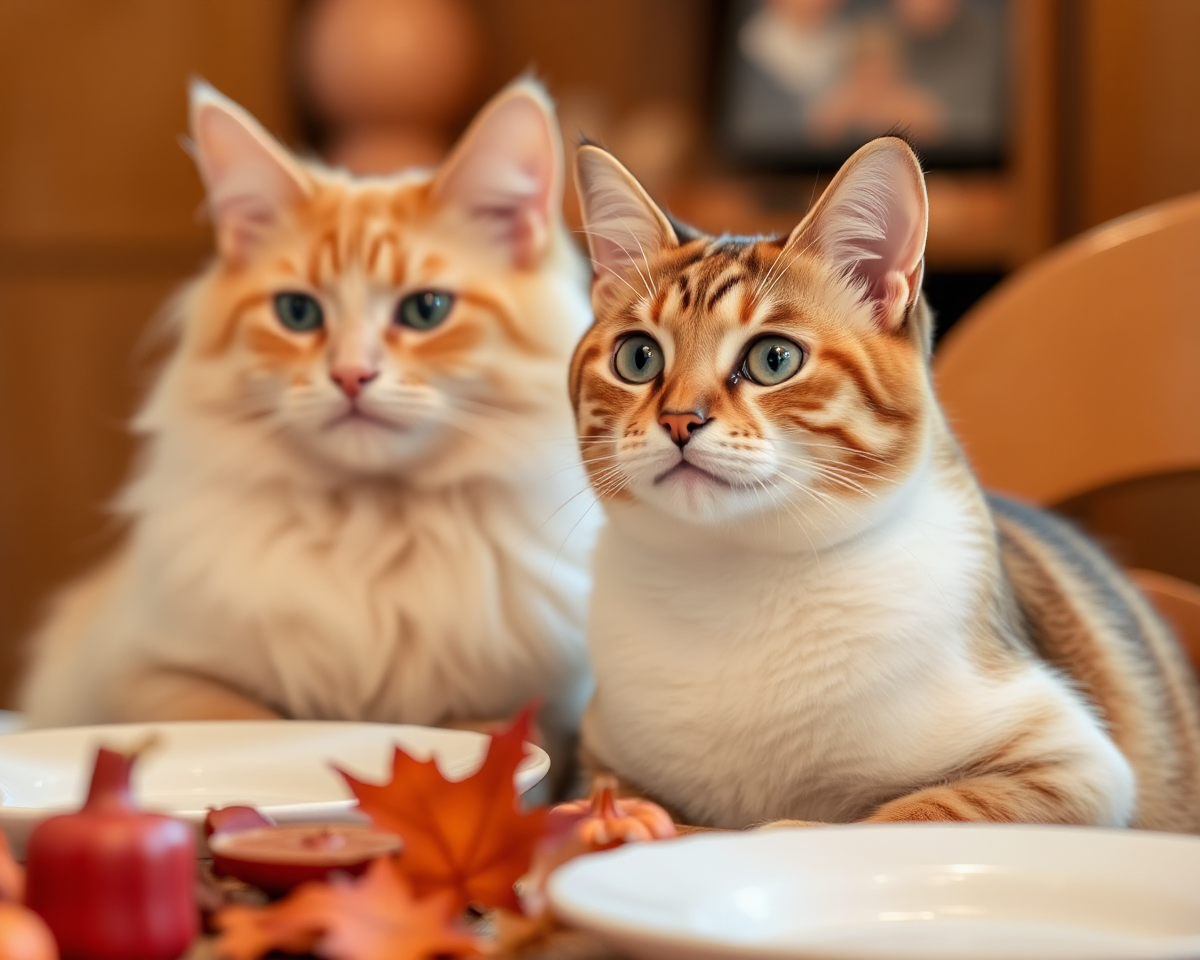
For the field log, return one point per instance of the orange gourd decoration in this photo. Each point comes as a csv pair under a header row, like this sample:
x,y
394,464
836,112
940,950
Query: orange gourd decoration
x,y
601,822
113,881
604,821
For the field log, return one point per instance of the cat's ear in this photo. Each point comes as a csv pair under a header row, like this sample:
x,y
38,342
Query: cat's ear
x,y
870,224
251,180
624,227
506,172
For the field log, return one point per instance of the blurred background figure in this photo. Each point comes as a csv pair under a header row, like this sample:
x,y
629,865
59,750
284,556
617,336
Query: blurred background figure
x,y
1038,119
389,81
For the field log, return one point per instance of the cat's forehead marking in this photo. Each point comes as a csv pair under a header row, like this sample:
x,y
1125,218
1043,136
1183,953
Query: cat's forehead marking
x,y
703,274
361,226
385,263
325,261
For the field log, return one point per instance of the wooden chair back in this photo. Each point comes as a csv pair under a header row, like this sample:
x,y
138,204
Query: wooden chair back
x,y
1178,602
1083,369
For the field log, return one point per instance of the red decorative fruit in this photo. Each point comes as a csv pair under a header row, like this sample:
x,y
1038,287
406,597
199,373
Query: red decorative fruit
x,y
114,882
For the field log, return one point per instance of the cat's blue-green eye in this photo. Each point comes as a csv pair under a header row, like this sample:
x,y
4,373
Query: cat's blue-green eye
x,y
299,312
424,310
638,359
771,360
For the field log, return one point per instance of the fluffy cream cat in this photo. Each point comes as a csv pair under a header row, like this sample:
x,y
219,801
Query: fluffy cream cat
x,y
348,504
805,607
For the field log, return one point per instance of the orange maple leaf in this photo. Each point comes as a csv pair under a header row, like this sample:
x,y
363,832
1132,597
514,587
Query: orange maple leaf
x,y
467,837
372,918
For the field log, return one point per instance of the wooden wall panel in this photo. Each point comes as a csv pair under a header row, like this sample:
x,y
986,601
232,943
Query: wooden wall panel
x,y
93,101
1138,90
631,50
68,380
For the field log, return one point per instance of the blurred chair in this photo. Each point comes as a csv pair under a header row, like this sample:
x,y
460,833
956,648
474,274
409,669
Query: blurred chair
x,y
1179,604
1081,375
1083,370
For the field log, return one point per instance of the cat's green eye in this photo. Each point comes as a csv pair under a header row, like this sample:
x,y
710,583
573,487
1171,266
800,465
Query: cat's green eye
x,y
771,360
424,310
299,312
638,359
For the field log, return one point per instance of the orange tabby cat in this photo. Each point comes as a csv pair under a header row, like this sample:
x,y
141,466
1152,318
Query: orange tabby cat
x,y
804,606
346,507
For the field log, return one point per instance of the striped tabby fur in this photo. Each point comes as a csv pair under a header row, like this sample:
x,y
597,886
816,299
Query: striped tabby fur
x,y
804,605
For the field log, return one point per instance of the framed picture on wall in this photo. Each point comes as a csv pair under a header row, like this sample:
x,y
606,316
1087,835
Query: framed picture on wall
x,y
805,82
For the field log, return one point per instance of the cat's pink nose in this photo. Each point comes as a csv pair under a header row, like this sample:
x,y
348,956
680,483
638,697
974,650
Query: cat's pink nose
x,y
352,379
681,426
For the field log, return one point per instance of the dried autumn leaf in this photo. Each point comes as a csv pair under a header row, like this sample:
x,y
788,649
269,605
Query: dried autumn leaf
x,y
247,933
468,837
373,918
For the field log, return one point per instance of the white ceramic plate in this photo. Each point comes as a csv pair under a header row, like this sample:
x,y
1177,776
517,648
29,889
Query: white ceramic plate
x,y
283,767
901,893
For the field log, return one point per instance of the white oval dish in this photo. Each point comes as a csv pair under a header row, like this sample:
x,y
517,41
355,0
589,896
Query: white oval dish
x,y
912,892
283,767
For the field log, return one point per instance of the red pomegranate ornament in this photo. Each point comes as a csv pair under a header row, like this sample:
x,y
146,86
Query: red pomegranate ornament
x,y
114,882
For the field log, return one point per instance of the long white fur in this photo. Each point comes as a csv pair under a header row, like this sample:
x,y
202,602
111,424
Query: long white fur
x,y
814,684
319,581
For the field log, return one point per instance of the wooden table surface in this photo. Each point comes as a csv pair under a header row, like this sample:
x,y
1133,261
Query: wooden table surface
x,y
568,945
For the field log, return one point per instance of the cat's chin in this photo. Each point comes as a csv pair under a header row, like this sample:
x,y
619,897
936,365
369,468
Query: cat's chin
x,y
370,446
690,493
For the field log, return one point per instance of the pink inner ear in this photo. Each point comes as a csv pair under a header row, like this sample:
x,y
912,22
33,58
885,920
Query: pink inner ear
x,y
873,228
249,178
890,293
505,175
241,221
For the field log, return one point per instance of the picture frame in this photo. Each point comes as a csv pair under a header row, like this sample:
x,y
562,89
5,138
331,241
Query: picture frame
x,y
803,83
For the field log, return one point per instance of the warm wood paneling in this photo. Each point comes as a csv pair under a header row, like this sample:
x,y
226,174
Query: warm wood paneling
x,y
68,379
1139,89
93,101
630,50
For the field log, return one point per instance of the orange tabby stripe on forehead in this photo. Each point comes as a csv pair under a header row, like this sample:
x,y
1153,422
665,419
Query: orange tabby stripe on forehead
x,y
376,248
409,206
324,250
356,236
763,264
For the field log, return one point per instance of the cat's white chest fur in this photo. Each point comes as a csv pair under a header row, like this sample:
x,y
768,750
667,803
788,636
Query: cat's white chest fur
x,y
742,686
395,605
